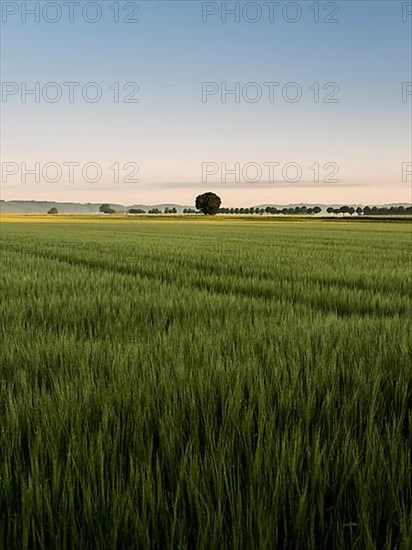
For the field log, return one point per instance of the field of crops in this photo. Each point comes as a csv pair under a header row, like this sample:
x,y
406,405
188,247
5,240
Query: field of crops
x,y
205,384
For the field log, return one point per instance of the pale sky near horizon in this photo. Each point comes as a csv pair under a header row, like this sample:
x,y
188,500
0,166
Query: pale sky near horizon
x,y
353,148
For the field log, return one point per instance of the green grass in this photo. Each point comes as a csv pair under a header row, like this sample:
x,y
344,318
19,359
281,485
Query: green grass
x,y
205,385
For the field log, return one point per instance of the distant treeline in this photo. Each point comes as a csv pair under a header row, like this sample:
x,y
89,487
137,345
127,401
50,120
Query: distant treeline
x,y
272,210
372,210
152,211
158,211
296,210
305,210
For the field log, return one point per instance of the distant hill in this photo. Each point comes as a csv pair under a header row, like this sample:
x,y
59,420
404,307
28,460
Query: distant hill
x,y
41,207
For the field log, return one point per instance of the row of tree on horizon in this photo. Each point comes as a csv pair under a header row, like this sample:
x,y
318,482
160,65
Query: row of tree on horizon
x,y
271,210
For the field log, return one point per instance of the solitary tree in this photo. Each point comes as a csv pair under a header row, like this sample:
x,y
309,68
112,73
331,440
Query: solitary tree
x,y
107,209
53,210
208,203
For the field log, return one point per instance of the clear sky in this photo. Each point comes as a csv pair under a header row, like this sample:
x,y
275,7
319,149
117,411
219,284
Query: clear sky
x,y
181,134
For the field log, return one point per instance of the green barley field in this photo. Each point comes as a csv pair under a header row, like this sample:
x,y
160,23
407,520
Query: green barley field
x,y
205,384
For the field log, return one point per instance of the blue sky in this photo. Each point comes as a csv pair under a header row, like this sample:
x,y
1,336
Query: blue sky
x,y
174,137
